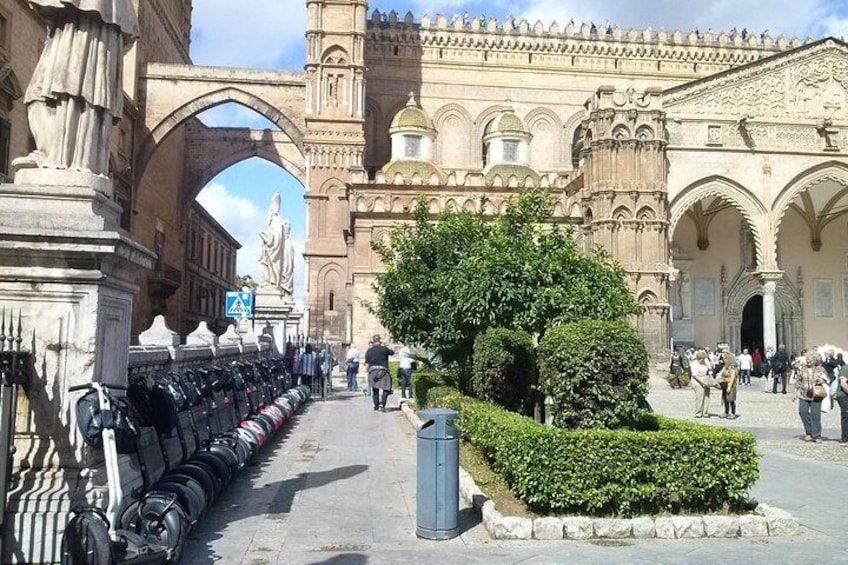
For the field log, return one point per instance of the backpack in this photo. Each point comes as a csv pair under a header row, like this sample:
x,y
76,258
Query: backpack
x,y
91,421
138,396
165,416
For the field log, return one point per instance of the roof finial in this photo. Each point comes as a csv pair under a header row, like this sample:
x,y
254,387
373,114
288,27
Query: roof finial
x,y
411,101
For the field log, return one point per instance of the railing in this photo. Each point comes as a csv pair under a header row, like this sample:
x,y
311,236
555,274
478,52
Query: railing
x,y
14,373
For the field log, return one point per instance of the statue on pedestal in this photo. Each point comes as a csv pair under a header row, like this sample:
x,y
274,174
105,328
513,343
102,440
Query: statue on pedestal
x,y
75,96
276,256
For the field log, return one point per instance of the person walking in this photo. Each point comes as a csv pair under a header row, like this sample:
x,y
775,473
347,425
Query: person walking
x,y
780,367
809,385
352,367
379,379
405,372
728,381
746,367
701,384
840,394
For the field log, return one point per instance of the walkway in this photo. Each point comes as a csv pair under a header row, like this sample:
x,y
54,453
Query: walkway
x,y
339,488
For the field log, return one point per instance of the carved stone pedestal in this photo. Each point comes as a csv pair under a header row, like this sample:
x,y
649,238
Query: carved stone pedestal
x,y
68,268
274,315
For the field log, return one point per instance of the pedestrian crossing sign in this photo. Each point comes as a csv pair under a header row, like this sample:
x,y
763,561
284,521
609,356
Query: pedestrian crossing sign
x,y
238,305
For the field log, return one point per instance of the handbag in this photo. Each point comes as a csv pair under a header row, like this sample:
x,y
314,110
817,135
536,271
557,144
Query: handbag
x,y
819,391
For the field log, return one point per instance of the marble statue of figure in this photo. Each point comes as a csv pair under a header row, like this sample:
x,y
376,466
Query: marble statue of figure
x,y
75,96
276,257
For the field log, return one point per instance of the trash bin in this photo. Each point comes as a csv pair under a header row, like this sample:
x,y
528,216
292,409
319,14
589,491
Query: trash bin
x,y
438,475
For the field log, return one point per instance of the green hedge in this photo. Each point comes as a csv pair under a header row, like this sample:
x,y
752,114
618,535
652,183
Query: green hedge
x,y
595,372
663,465
423,381
504,368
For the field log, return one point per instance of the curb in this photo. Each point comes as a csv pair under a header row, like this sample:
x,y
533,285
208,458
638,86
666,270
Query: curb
x,y
766,521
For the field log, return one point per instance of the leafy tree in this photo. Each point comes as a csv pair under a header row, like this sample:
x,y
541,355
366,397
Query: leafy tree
x,y
446,281
246,281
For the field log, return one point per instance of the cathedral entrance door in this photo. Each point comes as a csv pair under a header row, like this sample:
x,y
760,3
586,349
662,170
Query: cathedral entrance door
x,y
751,328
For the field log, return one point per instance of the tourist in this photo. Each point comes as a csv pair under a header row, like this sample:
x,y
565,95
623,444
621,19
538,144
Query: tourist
x,y
840,394
811,378
679,367
307,366
701,383
405,372
728,381
757,362
830,365
379,379
746,366
352,367
780,368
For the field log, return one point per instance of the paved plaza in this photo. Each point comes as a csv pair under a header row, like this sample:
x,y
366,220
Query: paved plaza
x,y
338,487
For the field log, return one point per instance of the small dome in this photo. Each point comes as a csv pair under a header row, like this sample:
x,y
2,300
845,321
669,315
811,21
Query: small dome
x,y
411,116
506,123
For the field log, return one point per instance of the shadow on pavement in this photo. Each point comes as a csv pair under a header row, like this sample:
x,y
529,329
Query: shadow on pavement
x,y
282,501
344,559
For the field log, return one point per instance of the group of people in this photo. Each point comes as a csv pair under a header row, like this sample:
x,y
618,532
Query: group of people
x,y
309,364
379,380
820,379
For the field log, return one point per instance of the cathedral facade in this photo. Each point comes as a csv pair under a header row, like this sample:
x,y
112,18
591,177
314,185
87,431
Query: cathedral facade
x,y
711,166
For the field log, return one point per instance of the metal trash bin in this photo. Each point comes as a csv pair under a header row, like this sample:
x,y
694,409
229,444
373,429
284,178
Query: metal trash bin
x,y
438,475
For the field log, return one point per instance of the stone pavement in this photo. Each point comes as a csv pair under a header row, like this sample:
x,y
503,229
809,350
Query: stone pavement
x,y
338,487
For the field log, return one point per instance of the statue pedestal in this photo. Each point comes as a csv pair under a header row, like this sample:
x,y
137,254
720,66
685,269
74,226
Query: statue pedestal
x,y
274,315
69,270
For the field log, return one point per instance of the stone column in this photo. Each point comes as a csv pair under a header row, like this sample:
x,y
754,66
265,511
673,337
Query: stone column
x,y
70,270
769,320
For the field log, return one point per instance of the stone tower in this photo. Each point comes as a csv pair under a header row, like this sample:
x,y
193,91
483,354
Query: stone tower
x,y
334,146
625,196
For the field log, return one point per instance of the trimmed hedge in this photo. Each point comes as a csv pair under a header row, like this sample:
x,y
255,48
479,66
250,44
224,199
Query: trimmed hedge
x,y
504,368
663,465
423,381
595,372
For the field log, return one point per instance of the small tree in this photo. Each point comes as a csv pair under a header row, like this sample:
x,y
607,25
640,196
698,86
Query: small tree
x,y
596,373
448,280
504,368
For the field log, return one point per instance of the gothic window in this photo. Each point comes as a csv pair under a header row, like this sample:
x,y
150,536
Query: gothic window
x,y
332,301
576,147
412,146
510,151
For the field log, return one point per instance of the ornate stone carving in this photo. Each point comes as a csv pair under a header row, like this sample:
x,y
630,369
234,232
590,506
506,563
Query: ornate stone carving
x,y
812,82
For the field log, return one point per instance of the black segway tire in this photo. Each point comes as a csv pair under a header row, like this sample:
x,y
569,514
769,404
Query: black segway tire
x,y
86,541
160,521
189,494
200,473
219,467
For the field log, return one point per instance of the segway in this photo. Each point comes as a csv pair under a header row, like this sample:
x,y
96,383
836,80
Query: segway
x,y
90,537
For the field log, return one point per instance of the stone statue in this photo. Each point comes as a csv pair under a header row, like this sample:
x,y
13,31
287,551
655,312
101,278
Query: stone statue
x,y
276,257
75,96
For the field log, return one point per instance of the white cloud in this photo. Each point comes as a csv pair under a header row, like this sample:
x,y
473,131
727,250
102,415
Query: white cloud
x,y
248,33
244,219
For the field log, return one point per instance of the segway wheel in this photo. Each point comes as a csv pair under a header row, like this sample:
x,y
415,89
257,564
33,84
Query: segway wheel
x,y
161,521
86,541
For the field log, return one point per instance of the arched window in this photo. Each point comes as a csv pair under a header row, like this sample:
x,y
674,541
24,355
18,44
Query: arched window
x,y
576,147
332,301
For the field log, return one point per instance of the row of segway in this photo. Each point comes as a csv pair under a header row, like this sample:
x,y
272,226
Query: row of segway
x,y
231,412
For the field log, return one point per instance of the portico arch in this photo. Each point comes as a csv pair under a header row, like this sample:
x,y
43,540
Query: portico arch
x,y
742,199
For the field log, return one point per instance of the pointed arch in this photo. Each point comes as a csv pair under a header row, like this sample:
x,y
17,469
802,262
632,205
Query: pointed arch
x,y
546,146
170,123
297,170
740,197
836,171
453,125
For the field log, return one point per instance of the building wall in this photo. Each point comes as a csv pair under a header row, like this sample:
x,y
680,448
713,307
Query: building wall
x,y
210,271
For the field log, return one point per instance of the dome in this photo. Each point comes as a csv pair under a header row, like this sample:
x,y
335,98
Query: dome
x,y
411,116
506,123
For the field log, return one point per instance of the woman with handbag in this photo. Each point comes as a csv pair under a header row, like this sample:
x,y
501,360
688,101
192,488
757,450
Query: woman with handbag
x,y
728,382
701,382
810,389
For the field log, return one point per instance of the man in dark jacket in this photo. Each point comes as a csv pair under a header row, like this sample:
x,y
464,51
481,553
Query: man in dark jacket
x,y
377,364
780,367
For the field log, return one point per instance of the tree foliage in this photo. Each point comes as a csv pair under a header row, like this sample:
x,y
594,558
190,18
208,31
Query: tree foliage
x,y
446,281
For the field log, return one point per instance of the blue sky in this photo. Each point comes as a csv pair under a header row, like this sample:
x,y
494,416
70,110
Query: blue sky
x,y
269,34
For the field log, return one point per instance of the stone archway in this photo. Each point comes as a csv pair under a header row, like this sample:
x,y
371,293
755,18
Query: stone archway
x,y
751,208
789,309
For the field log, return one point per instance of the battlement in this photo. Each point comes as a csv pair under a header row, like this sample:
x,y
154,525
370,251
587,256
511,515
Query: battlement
x,y
480,32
